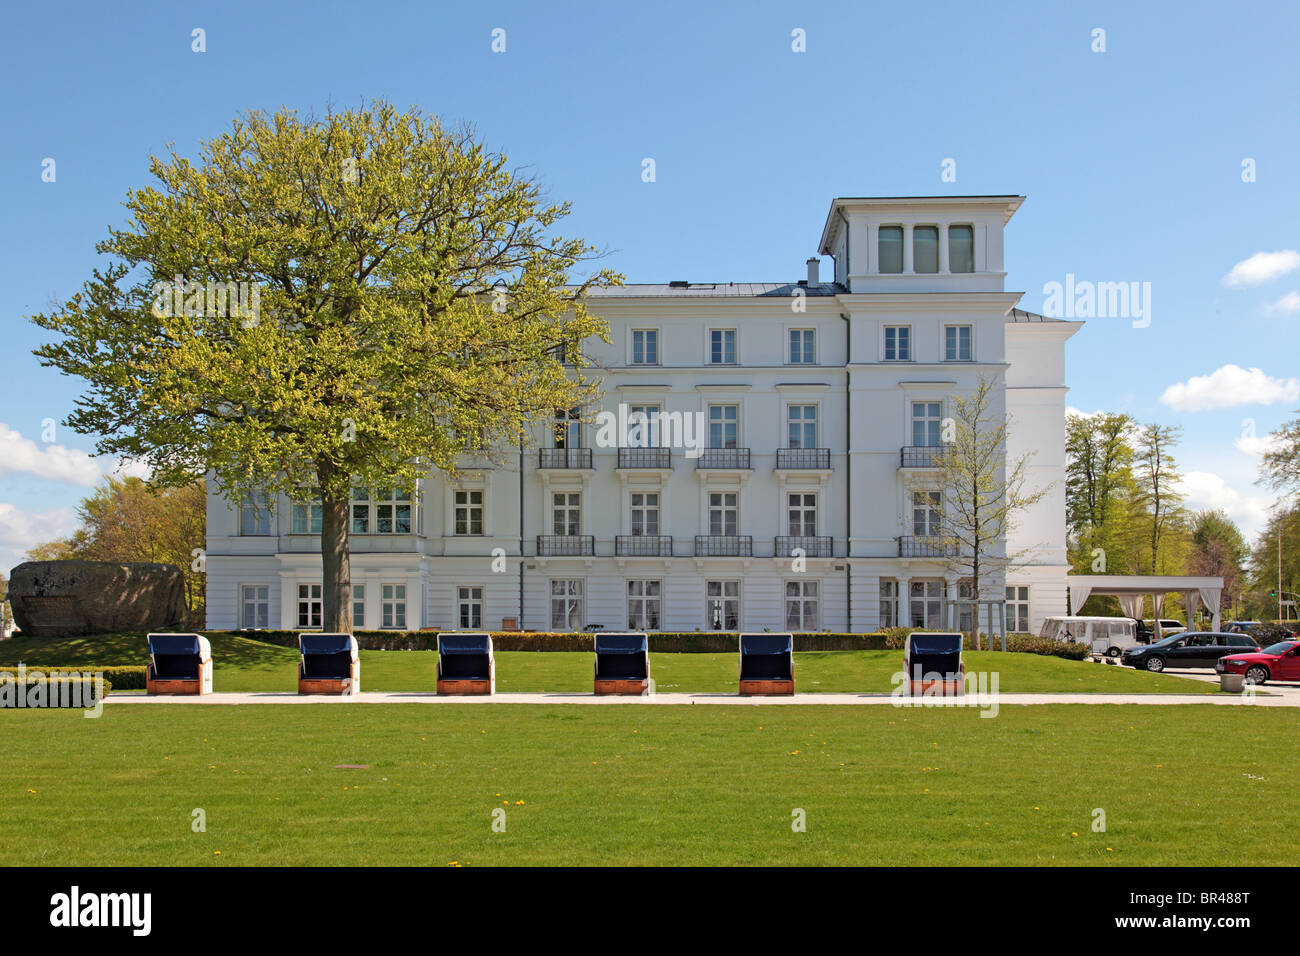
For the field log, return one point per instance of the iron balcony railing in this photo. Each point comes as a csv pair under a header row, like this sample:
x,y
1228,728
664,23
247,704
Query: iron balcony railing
x,y
813,546
920,456
723,458
791,458
565,545
724,546
645,458
643,545
910,546
564,458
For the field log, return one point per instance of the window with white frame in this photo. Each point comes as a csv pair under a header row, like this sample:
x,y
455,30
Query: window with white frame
x,y
965,612
645,513
566,512
724,426
956,343
257,606
927,424
898,343
926,514
360,511
925,249
567,429
801,514
566,605
643,605
469,608
645,346
643,426
801,426
1018,608
961,249
722,346
724,513
722,605
309,605
803,347
358,606
467,512
925,600
381,511
306,518
255,514
889,603
889,249
801,605
392,606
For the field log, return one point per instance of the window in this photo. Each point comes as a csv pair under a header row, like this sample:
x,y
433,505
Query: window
x,y
392,511
927,424
722,347
467,517
306,518
924,603
643,426
257,606
889,603
393,606
566,512
309,605
801,605
568,428
961,249
1018,608
925,514
469,608
255,515
724,513
360,511
358,606
645,346
965,612
724,422
645,513
643,604
566,605
803,347
801,426
890,248
801,514
722,605
956,343
898,343
925,249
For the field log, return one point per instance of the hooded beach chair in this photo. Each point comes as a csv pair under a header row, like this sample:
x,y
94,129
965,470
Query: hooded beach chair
x,y
328,664
766,665
179,664
622,663
465,663
932,664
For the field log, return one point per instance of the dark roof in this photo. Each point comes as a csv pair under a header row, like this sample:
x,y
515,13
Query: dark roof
x,y
776,290
1020,315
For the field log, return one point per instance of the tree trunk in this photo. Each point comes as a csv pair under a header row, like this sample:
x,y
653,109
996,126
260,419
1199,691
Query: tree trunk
x,y
336,569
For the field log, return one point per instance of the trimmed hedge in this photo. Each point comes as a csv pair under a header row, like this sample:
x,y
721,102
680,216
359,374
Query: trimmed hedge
x,y
49,689
123,677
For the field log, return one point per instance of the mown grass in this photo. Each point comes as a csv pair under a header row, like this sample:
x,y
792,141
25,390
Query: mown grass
x,y
635,785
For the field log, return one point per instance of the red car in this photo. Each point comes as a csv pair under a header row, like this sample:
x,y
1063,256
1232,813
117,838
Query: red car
x,y
1280,661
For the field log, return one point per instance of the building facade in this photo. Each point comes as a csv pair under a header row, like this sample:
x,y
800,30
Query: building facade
x,y
758,468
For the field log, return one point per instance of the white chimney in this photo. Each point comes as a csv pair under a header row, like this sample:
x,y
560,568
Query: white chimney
x,y
814,271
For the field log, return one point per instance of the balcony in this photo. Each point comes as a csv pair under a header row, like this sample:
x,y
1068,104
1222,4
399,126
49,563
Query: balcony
x,y
645,458
564,458
724,545
910,546
565,545
736,459
920,456
643,545
819,546
796,458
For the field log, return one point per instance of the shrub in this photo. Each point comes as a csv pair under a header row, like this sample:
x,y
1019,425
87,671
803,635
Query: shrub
x,y
49,689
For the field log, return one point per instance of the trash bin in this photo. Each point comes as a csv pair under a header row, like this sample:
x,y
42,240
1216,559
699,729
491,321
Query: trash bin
x,y
1232,683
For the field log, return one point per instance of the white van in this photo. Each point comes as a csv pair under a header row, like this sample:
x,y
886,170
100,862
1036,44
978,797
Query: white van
x,y
1111,636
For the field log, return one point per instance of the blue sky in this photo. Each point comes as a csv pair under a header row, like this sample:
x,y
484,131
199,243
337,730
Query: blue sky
x,y
1131,160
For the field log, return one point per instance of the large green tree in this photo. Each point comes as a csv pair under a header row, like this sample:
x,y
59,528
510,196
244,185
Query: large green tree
x,y
1099,487
404,296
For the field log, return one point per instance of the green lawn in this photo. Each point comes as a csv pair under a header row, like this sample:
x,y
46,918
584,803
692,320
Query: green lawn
x,y
247,665
648,785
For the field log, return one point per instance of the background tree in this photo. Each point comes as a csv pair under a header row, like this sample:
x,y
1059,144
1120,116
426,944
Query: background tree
x,y
1218,550
56,550
1099,485
1262,599
6,616
412,298
1157,478
1280,466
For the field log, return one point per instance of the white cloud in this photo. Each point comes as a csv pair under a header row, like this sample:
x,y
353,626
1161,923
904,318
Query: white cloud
x,y
1288,303
19,454
1228,386
22,530
127,468
1206,491
1263,267
1256,445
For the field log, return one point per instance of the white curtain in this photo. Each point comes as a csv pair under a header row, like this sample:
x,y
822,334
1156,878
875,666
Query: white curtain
x,y
1078,596
1211,598
1131,605
1191,600
1157,607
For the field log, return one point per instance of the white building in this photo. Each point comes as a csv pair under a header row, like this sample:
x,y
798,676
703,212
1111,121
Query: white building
x,y
819,400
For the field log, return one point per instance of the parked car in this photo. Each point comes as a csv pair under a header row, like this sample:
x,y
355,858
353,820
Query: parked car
x,y
1280,661
1105,635
1189,649
1146,630
1240,627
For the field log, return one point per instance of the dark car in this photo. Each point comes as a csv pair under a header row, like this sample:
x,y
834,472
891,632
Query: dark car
x,y
1189,649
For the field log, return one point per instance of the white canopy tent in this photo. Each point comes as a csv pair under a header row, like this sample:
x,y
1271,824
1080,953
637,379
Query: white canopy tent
x,y
1132,588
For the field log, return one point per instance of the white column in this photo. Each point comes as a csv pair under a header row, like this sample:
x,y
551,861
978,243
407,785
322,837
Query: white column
x,y
871,261
943,246
907,249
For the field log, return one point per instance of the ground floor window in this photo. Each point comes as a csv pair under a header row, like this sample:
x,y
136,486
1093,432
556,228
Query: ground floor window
x,y
889,603
309,605
566,605
925,603
1018,608
358,606
393,606
469,608
257,606
643,605
722,605
801,605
